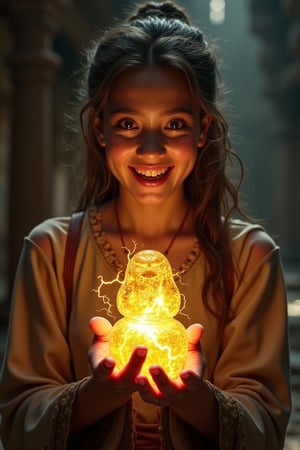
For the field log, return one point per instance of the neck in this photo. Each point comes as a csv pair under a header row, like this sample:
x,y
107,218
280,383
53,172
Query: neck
x,y
166,242
151,220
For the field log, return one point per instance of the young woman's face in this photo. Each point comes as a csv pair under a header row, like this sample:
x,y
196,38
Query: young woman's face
x,y
151,130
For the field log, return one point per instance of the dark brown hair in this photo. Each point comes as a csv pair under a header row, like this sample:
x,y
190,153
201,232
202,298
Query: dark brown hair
x,y
161,34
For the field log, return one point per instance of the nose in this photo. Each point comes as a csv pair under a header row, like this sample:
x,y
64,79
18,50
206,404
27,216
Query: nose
x,y
151,143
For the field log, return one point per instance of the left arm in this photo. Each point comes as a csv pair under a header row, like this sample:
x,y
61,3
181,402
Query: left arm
x,y
248,404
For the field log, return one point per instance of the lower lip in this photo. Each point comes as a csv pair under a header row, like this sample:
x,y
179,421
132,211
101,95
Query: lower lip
x,y
151,182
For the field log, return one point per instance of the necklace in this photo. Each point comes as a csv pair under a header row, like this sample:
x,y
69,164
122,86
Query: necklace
x,y
172,240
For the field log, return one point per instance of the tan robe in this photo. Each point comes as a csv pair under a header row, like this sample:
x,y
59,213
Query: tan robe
x,y
46,360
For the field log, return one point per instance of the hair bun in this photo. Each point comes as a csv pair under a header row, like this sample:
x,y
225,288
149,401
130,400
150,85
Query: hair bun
x,y
167,10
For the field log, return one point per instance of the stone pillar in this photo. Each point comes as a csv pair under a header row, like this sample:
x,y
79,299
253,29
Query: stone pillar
x,y
292,8
33,67
271,23
5,102
289,157
277,22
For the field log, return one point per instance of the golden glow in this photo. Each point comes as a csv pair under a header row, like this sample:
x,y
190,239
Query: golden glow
x,y
149,299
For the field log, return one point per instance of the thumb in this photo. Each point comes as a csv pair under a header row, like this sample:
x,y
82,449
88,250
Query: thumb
x,y
195,333
100,326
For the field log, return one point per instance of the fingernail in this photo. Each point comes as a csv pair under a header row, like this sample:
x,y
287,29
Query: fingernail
x,y
155,371
141,352
109,363
141,382
186,375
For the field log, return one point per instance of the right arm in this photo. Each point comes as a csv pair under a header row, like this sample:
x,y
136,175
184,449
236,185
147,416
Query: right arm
x,y
37,376
40,401
106,389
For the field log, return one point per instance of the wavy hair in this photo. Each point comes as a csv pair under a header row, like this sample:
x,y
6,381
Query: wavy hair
x,y
161,34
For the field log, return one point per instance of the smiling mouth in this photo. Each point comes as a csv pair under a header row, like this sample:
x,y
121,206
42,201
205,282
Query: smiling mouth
x,y
151,174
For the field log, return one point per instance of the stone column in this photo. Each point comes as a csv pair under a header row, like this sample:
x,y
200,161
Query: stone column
x,y
292,8
289,152
278,23
271,23
33,67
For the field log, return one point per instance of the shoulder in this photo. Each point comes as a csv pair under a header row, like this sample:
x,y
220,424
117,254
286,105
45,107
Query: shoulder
x,y
251,242
50,233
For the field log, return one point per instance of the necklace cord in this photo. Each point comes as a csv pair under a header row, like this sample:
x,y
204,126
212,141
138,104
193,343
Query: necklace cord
x,y
167,250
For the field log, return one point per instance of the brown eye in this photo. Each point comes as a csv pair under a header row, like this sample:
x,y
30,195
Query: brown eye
x,y
176,124
127,124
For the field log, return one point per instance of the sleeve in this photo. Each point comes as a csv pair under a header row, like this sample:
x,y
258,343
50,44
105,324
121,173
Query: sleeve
x,y
251,378
37,389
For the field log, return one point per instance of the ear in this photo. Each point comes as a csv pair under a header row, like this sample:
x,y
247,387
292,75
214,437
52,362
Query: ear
x,y
204,127
97,125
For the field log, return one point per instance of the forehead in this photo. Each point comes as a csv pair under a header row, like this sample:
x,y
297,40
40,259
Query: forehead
x,y
151,85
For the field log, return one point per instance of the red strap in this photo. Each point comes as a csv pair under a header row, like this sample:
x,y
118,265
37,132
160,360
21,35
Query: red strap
x,y
70,254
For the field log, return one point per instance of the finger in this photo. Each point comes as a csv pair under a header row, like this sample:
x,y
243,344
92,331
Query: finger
x,y
99,351
103,370
135,364
100,326
191,380
195,333
124,379
167,388
100,348
195,363
150,393
138,357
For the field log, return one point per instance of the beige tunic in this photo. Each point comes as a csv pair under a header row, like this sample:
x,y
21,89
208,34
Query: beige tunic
x,y
47,359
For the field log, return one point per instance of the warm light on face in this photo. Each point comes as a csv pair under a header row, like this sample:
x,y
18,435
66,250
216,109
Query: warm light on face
x,y
149,299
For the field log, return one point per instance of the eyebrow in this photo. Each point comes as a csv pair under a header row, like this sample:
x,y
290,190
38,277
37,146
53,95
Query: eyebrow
x,y
123,110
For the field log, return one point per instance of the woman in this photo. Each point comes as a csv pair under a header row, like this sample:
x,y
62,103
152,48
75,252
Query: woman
x,y
156,177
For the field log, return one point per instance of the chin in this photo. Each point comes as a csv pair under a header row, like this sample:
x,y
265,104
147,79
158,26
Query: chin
x,y
151,199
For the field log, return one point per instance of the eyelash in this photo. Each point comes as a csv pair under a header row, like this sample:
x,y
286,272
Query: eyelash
x,y
132,124
182,123
121,124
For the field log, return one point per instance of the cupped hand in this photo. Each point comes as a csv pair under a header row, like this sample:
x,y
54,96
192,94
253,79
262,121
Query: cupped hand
x,y
104,367
186,395
107,389
180,392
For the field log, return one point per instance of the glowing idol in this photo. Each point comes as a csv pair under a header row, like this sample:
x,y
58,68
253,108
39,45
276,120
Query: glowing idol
x,y
149,299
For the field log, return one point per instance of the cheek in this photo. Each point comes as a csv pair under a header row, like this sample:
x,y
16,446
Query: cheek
x,y
116,149
186,151
187,157
117,154
191,159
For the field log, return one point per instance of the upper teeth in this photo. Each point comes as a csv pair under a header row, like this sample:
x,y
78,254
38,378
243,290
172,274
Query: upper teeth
x,y
151,172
